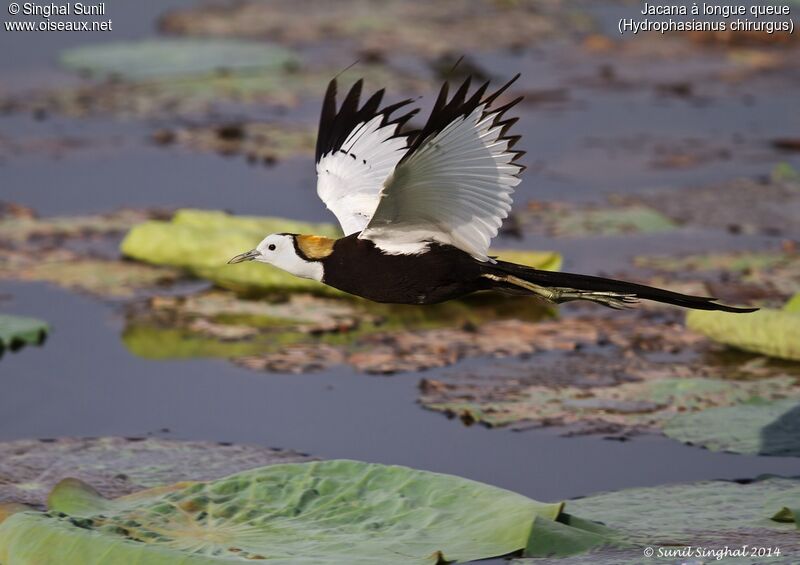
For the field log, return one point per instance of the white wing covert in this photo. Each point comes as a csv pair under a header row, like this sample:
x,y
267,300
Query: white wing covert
x,y
357,149
454,184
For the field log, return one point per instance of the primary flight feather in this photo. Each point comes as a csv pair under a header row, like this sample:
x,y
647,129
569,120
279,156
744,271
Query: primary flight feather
x,y
419,209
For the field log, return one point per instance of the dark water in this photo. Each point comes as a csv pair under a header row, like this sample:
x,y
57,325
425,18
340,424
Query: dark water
x,y
84,382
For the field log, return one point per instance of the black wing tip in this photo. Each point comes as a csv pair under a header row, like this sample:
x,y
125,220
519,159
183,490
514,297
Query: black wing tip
x,y
336,124
446,109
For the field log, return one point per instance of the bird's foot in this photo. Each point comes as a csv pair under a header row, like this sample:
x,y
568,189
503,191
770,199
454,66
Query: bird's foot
x,y
616,300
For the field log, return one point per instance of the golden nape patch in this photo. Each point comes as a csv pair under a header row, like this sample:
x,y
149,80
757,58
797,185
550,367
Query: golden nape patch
x,y
315,246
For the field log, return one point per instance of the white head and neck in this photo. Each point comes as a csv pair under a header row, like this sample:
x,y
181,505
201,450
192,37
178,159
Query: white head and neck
x,y
300,255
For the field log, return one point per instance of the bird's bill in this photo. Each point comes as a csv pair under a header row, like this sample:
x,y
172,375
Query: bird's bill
x,y
247,256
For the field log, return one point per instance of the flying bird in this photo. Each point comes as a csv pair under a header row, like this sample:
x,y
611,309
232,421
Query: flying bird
x,y
419,208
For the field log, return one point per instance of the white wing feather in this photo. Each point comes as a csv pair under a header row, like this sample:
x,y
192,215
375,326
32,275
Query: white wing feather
x,y
454,189
349,180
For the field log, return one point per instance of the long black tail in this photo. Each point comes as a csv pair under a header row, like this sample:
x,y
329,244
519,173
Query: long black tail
x,y
610,292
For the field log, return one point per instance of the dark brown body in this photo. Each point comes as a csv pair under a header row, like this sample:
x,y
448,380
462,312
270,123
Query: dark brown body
x,y
442,273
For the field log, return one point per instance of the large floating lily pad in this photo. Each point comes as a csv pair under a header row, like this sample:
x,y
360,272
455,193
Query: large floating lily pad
x,y
170,57
770,332
117,466
710,514
323,512
755,428
16,331
203,241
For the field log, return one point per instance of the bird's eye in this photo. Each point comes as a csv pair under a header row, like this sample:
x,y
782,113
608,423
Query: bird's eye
x,y
271,247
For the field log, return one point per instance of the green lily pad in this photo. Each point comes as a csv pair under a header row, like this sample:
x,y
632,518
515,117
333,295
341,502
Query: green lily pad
x,y
203,241
169,57
674,519
321,512
756,428
16,331
116,466
769,332
569,535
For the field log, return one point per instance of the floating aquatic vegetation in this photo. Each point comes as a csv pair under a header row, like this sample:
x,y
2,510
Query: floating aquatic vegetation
x,y
769,332
390,27
77,252
767,277
116,466
258,142
203,241
320,512
116,279
744,205
793,305
307,332
18,331
153,58
740,206
622,375
754,428
579,220
335,511
624,408
17,230
155,78
710,515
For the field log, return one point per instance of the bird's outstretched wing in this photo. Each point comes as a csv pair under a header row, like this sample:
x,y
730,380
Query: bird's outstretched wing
x,y
357,149
454,183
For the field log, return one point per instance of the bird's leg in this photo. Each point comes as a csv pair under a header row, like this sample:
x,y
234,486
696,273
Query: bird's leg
x,y
559,294
615,300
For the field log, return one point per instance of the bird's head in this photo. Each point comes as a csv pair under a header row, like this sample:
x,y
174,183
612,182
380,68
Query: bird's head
x,y
299,255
